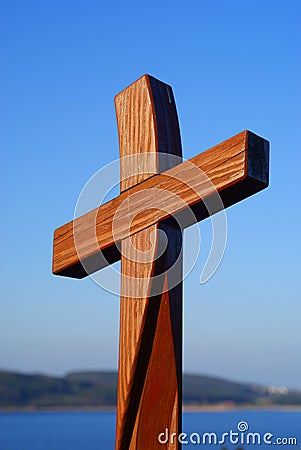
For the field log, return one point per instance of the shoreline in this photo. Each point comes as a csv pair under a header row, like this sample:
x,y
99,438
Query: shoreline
x,y
232,408
185,409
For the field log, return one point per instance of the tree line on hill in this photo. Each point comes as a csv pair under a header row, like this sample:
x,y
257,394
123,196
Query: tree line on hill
x,y
99,389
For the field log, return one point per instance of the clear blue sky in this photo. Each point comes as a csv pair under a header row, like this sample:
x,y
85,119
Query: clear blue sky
x,y
233,65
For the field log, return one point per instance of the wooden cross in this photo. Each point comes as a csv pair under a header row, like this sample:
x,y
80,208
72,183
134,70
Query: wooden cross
x,y
158,198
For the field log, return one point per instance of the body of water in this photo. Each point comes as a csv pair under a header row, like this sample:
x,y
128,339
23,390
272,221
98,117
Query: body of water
x,y
96,430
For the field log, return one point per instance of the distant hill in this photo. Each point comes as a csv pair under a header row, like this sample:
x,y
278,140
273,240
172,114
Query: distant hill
x,y
99,389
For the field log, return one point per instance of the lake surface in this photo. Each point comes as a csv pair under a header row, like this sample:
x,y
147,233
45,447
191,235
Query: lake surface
x,y
96,430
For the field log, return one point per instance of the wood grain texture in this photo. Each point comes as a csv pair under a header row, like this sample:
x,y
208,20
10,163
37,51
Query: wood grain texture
x,y
237,168
150,347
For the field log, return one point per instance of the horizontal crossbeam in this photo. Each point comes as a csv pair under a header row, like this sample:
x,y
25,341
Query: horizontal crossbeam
x,y
235,169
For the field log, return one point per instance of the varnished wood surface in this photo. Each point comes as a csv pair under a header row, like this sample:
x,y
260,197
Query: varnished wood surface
x,y
150,347
237,168
151,203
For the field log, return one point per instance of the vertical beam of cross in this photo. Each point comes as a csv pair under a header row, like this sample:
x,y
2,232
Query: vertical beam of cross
x,y
150,348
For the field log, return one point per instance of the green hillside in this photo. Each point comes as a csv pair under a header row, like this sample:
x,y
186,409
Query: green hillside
x,y
99,389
